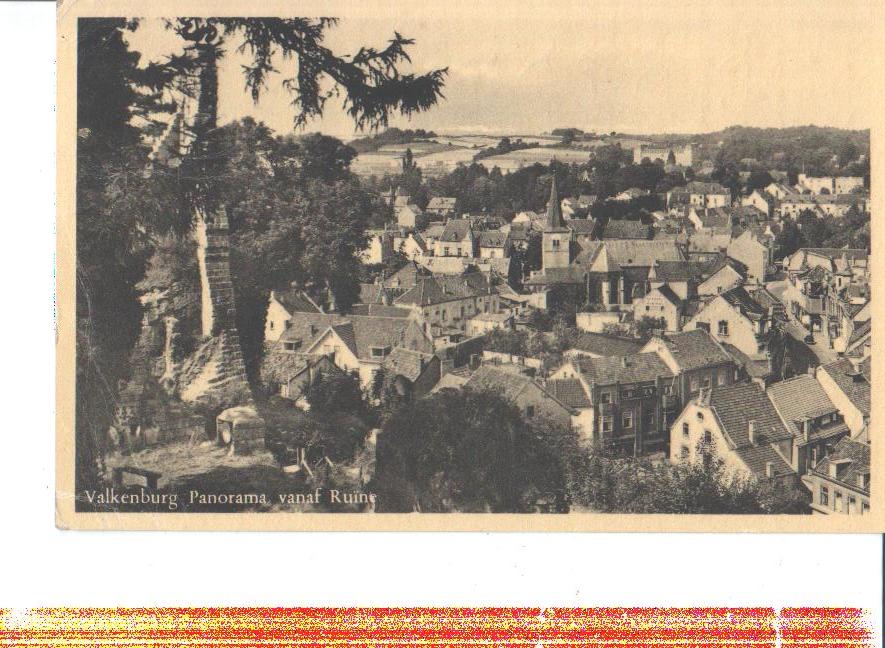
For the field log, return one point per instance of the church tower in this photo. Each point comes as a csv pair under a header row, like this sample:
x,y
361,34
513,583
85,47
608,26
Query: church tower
x,y
556,245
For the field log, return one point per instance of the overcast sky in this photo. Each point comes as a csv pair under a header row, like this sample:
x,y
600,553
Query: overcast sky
x,y
650,68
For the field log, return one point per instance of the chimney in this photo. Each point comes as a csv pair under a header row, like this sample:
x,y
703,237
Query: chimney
x,y
769,469
751,432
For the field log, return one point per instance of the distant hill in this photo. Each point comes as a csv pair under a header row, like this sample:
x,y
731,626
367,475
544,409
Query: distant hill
x,y
390,136
814,147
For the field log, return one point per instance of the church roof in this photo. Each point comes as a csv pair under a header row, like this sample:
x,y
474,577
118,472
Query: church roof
x,y
555,221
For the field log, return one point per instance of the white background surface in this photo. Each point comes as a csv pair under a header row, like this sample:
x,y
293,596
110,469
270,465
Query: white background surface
x,y
44,566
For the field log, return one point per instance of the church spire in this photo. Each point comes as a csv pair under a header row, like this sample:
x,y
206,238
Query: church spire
x,y
554,209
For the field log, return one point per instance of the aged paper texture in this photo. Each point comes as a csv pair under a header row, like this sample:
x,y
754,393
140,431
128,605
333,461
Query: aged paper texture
x,y
568,266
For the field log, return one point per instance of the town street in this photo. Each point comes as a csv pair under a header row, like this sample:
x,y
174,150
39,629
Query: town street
x,y
802,355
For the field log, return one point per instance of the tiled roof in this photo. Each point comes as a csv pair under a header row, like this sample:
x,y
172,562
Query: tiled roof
x,y
716,218
853,461
442,202
626,252
856,388
492,239
680,270
407,363
697,187
451,380
742,300
456,230
379,310
738,404
307,327
638,367
569,391
581,225
442,288
603,345
755,368
695,349
626,229
296,301
798,398
508,384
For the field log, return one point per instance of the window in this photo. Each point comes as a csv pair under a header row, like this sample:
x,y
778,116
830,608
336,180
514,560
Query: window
x,y
379,352
824,496
700,416
529,411
606,423
706,382
685,452
555,244
628,393
627,420
723,328
813,457
605,397
708,437
694,384
703,326
291,346
685,432
647,308
837,500
721,377
864,507
852,504
270,325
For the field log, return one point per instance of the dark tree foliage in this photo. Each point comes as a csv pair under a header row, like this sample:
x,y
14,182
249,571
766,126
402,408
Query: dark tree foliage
x,y
121,206
113,201
336,392
647,326
465,451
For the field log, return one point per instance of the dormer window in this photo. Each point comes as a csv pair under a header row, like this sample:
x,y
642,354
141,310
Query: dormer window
x,y
380,352
293,345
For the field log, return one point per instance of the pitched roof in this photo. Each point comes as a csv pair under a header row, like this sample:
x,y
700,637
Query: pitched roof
x,y
509,384
581,225
738,404
679,270
441,288
442,203
800,397
698,187
853,461
555,221
626,252
602,344
456,230
743,301
668,294
360,333
637,367
492,239
379,310
296,301
856,388
695,349
569,391
715,218
626,229
407,363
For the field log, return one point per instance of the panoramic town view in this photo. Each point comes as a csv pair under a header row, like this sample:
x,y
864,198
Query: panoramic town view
x,y
435,320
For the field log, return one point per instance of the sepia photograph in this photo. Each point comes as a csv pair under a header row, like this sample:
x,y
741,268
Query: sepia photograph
x,y
592,263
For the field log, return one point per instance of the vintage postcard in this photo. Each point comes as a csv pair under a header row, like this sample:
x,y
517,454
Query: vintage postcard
x,y
551,266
